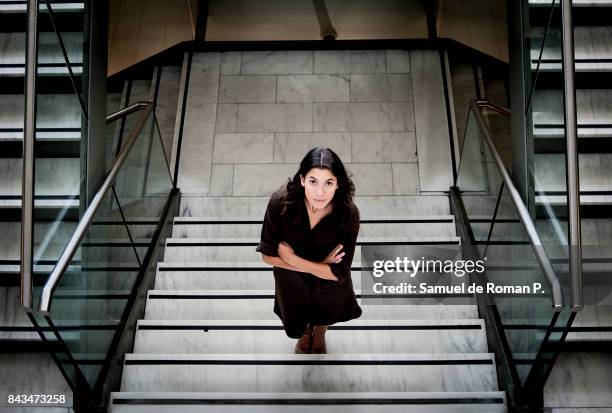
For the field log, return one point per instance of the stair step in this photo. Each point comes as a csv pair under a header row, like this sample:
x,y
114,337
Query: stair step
x,y
254,275
522,253
587,132
251,276
58,115
6,333
595,187
258,305
68,201
353,337
585,200
308,402
482,207
243,249
220,227
575,3
590,336
582,410
593,231
581,65
595,316
238,241
56,178
50,135
590,46
192,278
309,372
593,110
21,6
588,384
110,252
369,205
258,219
51,69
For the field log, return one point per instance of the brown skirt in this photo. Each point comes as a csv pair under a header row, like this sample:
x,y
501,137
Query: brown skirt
x,y
302,298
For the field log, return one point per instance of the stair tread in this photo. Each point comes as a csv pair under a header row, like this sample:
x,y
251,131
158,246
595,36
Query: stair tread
x,y
392,205
260,308
21,7
308,395
359,337
575,3
277,323
164,266
20,336
424,218
584,199
256,240
49,136
594,336
424,357
58,69
42,203
199,293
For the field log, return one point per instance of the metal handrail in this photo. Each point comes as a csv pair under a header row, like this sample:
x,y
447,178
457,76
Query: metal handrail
x,y
524,217
79,233
493,106
123,112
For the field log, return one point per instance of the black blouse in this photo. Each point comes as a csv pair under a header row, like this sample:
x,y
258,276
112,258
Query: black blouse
x,y
311,244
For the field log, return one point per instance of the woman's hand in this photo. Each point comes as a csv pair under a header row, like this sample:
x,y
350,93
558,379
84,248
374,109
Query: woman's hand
x,y
335,256
285,252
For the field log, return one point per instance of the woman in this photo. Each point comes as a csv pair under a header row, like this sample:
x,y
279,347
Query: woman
x,y
309,234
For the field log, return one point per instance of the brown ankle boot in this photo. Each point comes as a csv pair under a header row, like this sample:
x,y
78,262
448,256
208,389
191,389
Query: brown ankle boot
x,y
318,340
304,343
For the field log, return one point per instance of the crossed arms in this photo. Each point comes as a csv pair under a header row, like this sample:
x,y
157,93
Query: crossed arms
x,y
289,260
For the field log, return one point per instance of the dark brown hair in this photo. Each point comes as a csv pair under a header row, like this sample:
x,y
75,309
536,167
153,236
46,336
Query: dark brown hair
x,y
293,193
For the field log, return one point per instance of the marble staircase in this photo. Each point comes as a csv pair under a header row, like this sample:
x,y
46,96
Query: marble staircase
x,y
58,180
58,132
210,341
58,123
578,381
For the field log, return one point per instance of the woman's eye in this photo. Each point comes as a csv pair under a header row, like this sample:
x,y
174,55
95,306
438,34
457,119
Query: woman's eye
x,y
329,183
312,182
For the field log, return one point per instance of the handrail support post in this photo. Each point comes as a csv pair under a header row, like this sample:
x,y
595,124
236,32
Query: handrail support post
x,y
571,169
27,182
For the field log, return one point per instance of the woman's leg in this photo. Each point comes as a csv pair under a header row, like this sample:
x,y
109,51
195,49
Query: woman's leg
x,y
304,343
318,340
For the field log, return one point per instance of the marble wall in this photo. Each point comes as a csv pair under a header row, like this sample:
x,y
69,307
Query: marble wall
x,y
167,104
252,116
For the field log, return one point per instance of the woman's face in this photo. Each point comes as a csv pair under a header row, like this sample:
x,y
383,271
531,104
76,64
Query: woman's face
x,y
319,185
